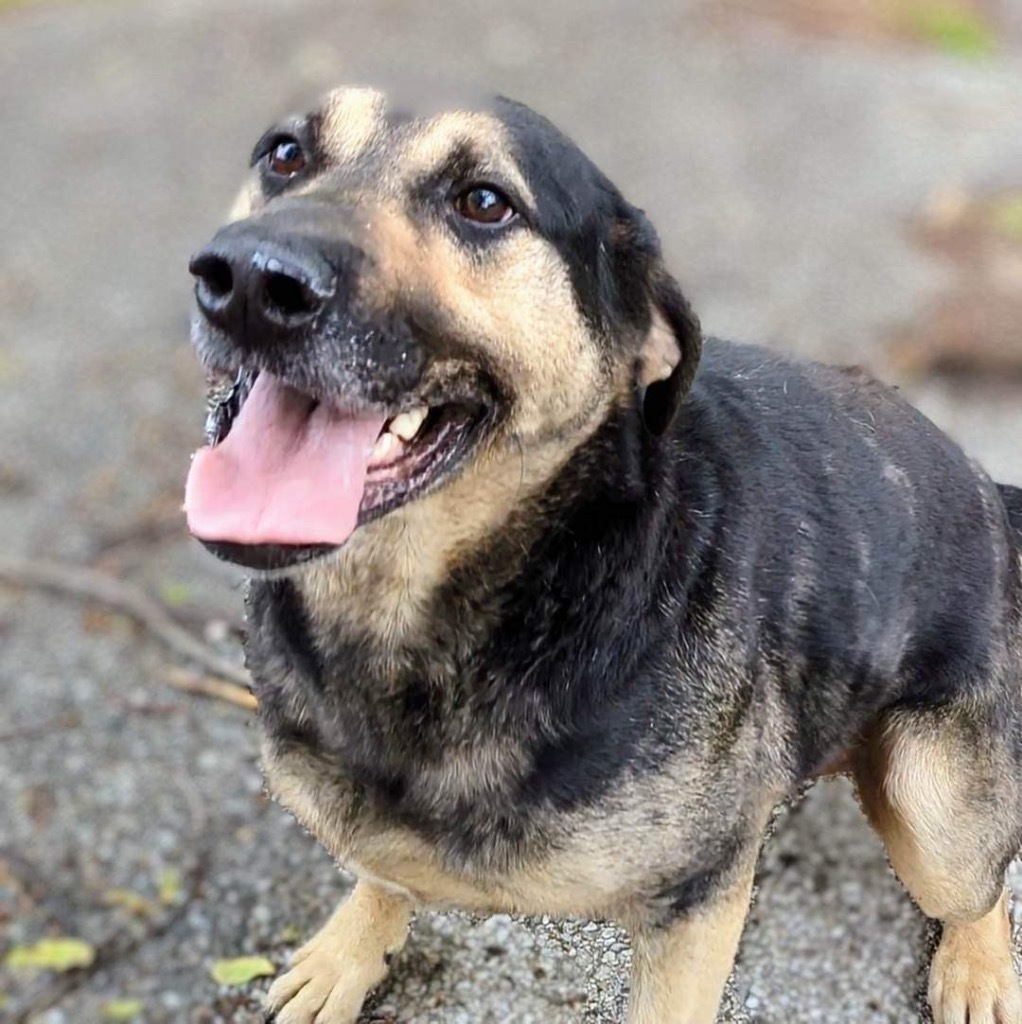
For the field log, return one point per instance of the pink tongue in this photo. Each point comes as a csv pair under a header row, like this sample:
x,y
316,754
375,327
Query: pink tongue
x,y
284,474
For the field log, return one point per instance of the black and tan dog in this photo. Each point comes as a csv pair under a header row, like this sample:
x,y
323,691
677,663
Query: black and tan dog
x,y
545,620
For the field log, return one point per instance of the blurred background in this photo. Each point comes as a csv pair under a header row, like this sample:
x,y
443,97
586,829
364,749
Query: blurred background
x,y
837,178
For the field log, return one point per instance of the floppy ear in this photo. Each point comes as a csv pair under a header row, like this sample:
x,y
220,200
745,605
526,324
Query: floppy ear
x,y
669,356
651,299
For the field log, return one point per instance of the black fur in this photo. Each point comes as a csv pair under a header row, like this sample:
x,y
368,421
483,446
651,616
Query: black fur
x,y
702,880
1012,498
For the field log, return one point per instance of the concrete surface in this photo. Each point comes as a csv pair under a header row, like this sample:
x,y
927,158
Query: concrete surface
x,y
782,175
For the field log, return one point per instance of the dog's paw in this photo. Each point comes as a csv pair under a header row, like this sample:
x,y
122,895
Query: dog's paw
x,y
972,979
332,974
323,988
327,983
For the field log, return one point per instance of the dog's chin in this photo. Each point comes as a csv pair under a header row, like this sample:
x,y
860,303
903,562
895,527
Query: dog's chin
x,y
268,558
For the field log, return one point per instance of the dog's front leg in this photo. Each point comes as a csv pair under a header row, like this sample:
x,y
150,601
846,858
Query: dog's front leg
x,y
332,974
680,966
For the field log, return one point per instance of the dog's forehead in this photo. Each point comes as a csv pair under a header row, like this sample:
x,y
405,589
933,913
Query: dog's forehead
x,y
416,134
351,120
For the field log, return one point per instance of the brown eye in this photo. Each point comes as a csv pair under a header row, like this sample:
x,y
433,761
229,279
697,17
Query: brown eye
x,y
287,158
484,205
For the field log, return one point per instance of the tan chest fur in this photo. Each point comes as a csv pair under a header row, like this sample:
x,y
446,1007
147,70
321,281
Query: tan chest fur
x,y
591,863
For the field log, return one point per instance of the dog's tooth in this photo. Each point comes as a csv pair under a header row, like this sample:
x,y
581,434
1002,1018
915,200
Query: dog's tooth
x,y
384,448
407,425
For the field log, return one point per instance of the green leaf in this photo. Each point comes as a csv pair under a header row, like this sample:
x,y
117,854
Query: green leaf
x,y
122,1009
176,593
52,955
131,901
1006,215
241,970
170,887
953,28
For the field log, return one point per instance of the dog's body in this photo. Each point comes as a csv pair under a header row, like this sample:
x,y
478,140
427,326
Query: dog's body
x,y
577,676
694,627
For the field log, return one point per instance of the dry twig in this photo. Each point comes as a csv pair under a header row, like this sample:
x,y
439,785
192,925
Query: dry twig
x,y
123,597
210,686
30,732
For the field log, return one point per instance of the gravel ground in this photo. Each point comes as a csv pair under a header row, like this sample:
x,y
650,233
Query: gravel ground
x,y
783,176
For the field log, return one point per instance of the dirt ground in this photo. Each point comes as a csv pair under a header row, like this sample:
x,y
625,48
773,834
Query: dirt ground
x,y
844,194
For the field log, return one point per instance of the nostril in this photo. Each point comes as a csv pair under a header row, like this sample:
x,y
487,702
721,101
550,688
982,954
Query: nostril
x,y
287,295
219,280
215,277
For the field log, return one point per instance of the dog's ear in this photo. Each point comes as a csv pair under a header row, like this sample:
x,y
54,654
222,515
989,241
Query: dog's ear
x,y
669,355
670,338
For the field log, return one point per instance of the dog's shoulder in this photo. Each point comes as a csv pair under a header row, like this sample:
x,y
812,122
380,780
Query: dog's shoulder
x,y
829,420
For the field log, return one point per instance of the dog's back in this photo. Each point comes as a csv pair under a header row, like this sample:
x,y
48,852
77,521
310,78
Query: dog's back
x,y
866,531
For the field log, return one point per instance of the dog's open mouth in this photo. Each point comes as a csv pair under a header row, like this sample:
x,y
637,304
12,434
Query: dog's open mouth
x,y
286,477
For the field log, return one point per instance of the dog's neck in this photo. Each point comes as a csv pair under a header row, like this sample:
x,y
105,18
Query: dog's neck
x,y
386,584
527,635
465,556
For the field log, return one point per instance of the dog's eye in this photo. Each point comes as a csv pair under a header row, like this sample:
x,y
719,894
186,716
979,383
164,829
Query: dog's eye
x,y
287,158
484,205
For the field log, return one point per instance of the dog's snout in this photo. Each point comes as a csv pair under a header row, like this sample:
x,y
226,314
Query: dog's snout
x,y
248,282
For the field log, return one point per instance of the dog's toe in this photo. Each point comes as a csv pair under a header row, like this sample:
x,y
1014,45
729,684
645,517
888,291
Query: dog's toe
x,y
972,979
324,987
332,974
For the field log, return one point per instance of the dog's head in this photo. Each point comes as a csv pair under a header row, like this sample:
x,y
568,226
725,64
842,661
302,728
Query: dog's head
x,y
407,313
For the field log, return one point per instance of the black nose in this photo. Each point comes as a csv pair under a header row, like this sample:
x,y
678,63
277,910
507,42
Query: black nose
x,y
247,282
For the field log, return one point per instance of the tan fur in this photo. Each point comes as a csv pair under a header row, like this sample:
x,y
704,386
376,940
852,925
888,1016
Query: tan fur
x,y
679,972
393,566
914,782
678,975
247,201
913,786
515,309
335,970
659,354
582,874
352,121
972,977
427,148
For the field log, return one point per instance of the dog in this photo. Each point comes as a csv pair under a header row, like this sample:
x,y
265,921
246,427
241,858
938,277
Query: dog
x,y
552,603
